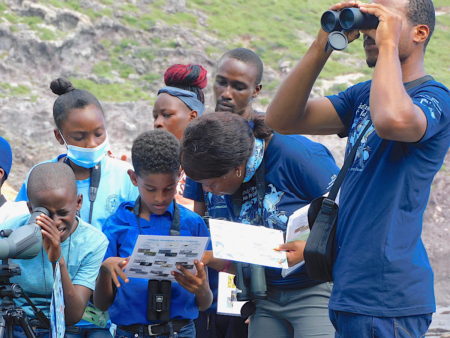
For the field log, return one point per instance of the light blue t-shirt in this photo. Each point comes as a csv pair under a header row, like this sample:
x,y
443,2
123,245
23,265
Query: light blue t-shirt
x,y
381,266
115,188
83,253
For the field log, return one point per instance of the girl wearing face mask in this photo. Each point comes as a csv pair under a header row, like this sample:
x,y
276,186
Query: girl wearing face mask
x,y
102,180
80,128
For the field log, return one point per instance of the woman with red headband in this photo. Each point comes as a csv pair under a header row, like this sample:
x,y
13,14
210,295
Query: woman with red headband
x,y
178,103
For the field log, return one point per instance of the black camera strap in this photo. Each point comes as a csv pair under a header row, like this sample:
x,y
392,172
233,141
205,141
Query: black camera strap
x,y
94,175
175,225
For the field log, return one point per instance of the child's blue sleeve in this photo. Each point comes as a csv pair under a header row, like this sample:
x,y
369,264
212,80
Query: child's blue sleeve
x,y
90,267
22,194
193,190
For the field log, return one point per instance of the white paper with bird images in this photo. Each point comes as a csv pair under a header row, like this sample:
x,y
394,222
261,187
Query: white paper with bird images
x,y
247,243
155,257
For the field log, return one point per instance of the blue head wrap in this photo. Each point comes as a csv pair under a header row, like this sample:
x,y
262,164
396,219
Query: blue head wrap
x,y
189,98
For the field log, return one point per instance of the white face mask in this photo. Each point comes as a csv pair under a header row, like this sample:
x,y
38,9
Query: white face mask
x,y
86,157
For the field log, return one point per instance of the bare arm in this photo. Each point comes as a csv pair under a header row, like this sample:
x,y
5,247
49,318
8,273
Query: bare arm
x,y
107,281
200,208
393,113
196,284
75,296
218,264
291,110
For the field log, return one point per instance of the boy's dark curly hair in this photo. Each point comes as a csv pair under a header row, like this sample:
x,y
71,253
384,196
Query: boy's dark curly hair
x,y
155,152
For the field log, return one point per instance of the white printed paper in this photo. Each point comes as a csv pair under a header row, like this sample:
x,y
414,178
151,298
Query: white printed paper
x,y
155,257
297,230
57,320
247,243
227,303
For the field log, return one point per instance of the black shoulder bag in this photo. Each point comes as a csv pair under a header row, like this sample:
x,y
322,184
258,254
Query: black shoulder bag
x,y
323,214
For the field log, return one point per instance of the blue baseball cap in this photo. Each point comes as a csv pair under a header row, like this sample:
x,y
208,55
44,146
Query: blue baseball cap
x,y
5,156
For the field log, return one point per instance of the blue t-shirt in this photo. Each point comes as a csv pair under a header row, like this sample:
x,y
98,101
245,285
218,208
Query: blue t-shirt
x,y
122,230
297,170
115,187
83,253
381,266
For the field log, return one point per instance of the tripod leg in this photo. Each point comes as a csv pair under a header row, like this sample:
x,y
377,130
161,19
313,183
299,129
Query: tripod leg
x,y
9,327
25,325
2,326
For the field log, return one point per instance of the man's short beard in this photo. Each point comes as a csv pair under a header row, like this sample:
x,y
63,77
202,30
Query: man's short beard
x,y
371,63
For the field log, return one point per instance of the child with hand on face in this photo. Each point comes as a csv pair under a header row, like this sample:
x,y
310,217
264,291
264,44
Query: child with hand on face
x,y
155,157
68,241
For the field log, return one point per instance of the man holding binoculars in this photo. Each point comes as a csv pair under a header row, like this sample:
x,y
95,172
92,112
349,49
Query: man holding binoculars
x,y
383,282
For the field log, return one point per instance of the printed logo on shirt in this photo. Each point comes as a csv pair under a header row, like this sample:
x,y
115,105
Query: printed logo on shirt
x,y
432,104
275,219
112,202
362,118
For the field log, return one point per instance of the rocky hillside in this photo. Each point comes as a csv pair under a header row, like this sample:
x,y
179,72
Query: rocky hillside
x,y
119,50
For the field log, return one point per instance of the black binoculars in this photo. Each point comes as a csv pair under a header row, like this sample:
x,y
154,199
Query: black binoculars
x,y
336,22
251,280
159,294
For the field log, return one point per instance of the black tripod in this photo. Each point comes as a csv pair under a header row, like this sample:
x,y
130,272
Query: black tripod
x,y
10,314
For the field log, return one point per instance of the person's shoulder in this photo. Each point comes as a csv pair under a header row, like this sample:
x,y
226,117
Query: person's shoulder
x,y
291,152
89,233
295,145
433,87
122,218
116,165
188,215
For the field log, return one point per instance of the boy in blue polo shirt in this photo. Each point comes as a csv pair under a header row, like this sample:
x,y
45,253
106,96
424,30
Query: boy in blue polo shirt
x,y
155,157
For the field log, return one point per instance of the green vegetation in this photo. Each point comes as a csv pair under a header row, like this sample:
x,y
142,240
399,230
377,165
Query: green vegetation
x,y
115,92
7,90
278,30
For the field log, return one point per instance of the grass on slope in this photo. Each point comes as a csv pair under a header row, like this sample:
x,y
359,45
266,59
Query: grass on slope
x,y
277,30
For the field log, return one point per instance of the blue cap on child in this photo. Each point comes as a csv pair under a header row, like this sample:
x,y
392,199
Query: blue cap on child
x,y
5,156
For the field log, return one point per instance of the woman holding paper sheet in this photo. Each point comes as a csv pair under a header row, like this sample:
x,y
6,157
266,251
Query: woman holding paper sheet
x,y
225,153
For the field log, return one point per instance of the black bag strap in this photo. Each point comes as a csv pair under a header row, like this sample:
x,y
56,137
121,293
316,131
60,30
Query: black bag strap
x,y
418,82
347,163
351,156
174,226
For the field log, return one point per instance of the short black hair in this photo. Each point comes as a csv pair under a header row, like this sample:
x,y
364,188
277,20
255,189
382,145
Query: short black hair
x,y
69,98
421,12
50,176
155,152
214,144
249,57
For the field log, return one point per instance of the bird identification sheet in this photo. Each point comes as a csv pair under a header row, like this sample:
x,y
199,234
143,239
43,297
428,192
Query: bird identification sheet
x,y
155,257
247,243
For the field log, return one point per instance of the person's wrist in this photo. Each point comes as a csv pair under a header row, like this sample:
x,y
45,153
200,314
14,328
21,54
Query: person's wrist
x,y
58,259
320,43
